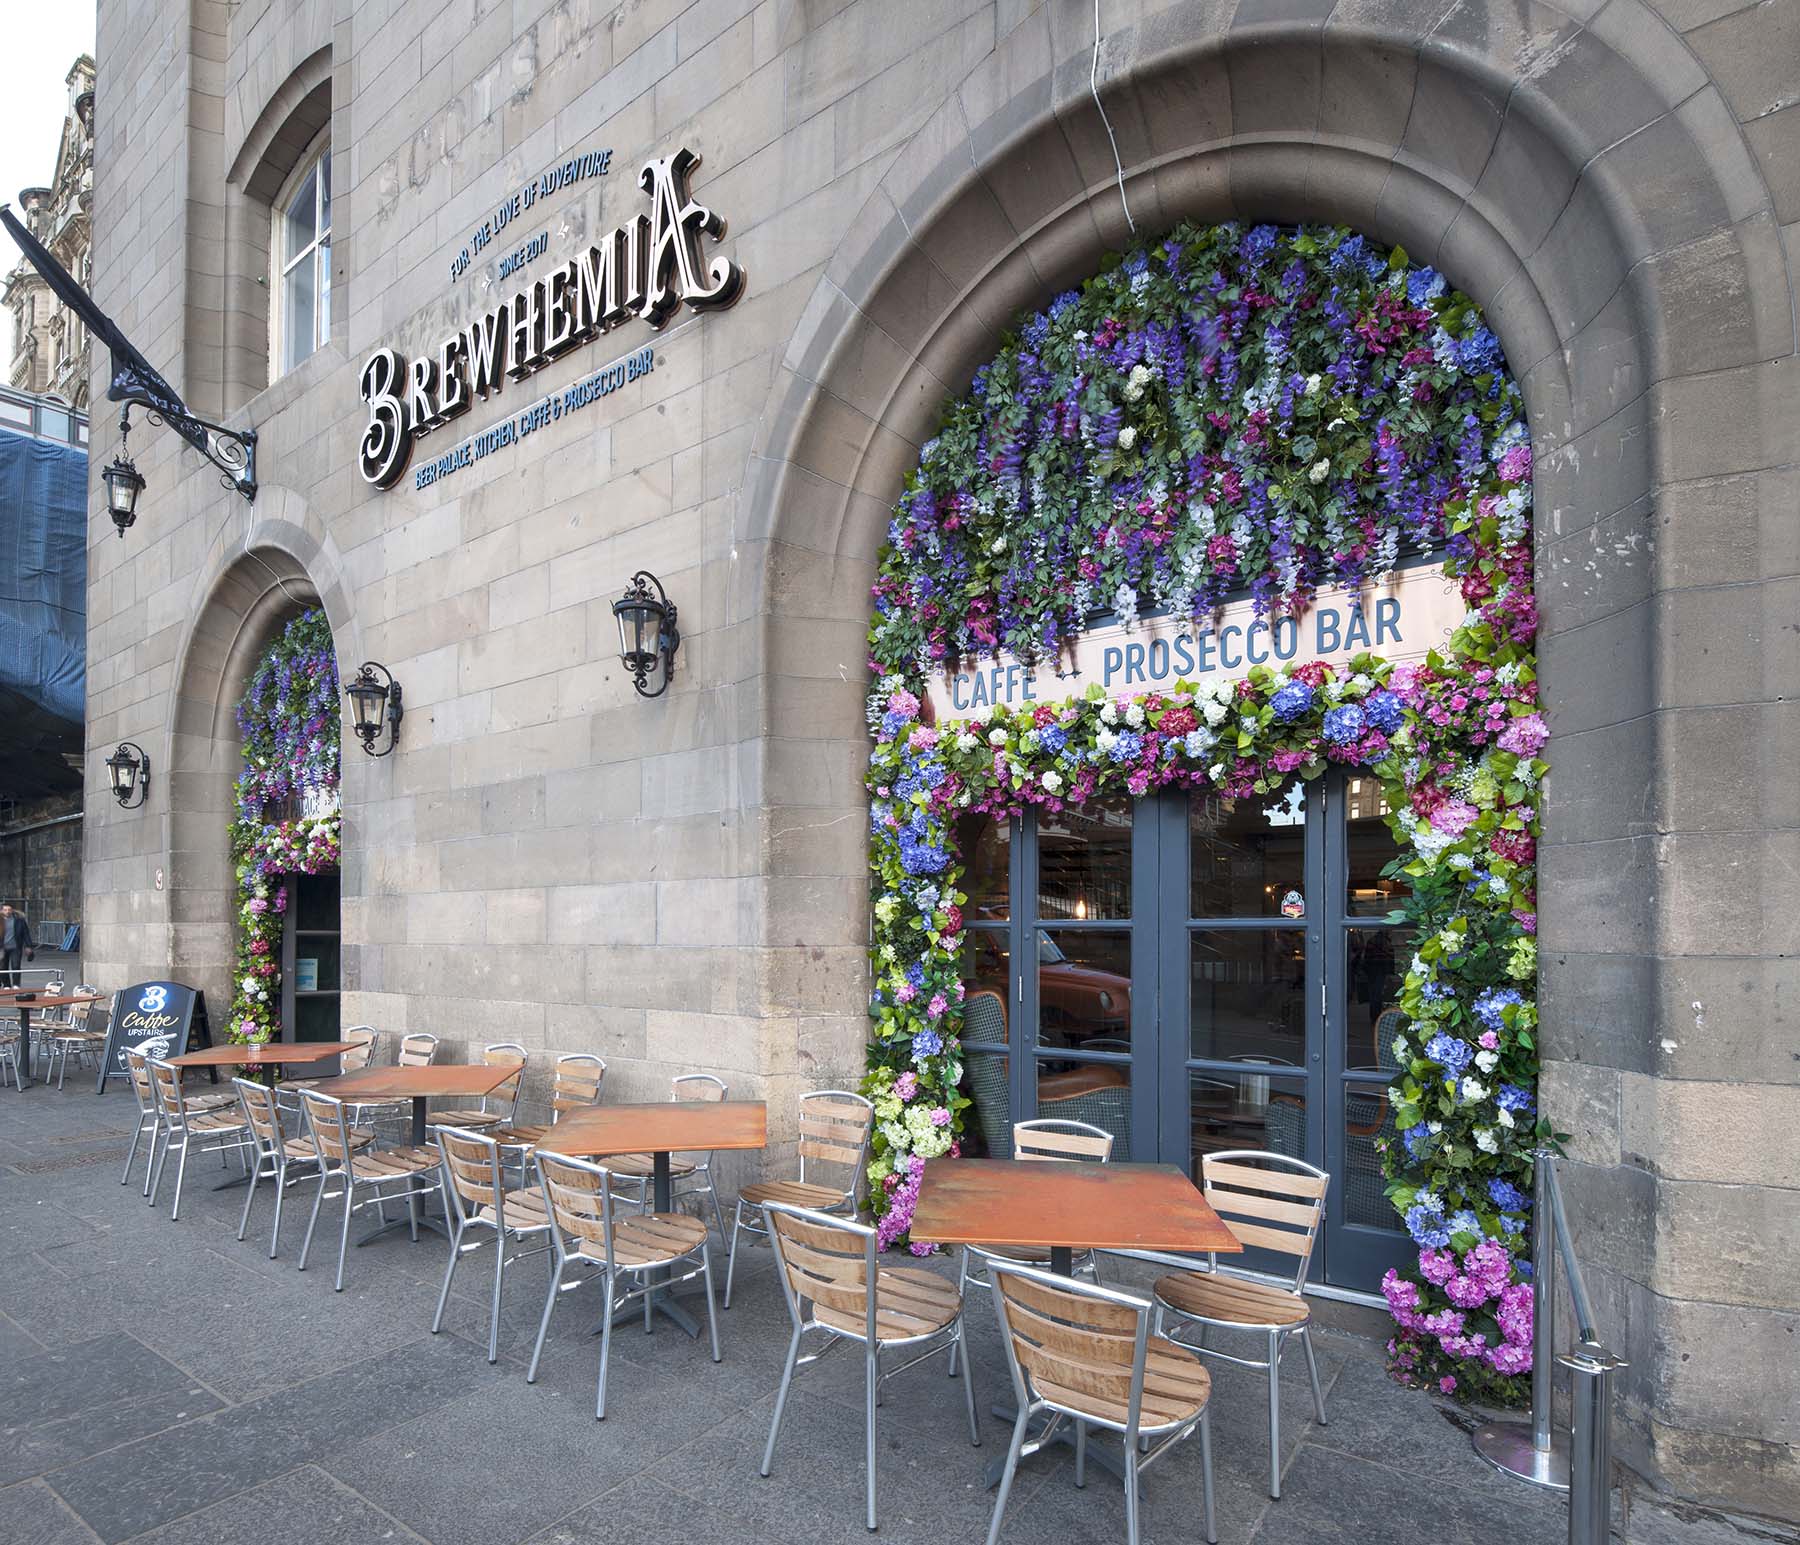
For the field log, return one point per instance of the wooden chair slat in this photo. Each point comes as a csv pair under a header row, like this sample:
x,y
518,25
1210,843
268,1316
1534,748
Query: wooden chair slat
x,y
1059,1145
1053,1303
1255,1236
1228,1204
1249,1178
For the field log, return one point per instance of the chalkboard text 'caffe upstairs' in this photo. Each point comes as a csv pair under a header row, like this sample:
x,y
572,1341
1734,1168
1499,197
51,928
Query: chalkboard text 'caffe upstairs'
x,y
649,268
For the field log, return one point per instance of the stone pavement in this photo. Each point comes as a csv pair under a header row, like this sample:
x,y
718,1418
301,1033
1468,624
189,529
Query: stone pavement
x,y
162,1382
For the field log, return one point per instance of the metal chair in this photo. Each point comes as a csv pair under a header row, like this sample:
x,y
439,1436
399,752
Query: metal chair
x,y
361,1039
1272,1202
340,1158
71,1037
149,1118
578,1197
637,1170
499,1106
1085,1353
211,1131
830,1264
276,1153
835,1126
1049,1139
575,1085
476,1194
9,1058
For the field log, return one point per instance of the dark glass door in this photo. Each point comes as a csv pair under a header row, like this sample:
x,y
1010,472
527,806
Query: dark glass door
x,y
310,983
1196,974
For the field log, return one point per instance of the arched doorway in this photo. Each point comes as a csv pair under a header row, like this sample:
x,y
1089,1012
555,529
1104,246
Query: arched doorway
x,y
286,840
1205,630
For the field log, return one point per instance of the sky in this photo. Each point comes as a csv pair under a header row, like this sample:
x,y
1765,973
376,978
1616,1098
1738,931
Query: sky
x,y
42,41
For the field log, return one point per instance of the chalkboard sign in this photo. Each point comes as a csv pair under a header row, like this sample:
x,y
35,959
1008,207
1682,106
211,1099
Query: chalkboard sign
x,y
160,1019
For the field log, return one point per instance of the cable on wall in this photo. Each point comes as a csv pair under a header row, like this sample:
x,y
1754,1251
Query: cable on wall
x,y
1094,86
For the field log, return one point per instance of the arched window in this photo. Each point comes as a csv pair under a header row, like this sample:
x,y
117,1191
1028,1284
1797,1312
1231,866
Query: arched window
x,y
302,259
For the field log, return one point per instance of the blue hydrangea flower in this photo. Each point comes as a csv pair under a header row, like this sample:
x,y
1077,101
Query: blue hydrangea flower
x,y
1137,263
1291,701
1053,737
927,1043
1346,724
1463,1221
1480,351
1063,302
1450,1053
1507,1197
1511,1097
1384,710
1489,1007
915,973
1128,747
1514,1226
1415,1138
1425,1222
1422,285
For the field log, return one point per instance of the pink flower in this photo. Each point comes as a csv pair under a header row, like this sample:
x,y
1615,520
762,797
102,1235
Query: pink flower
x,y
1447,1384
1437,1266
940,1116
936,1007
907,1084
1488,1041
905,993
1526,735
1454,817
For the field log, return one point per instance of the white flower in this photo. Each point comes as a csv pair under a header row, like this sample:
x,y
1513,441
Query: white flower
x,y
249,984
1136,382
1434,1127
1127,438
1109,712
1320,470
1052,782
966,742
1401,1054
1506,1118
999,546
996,737
1216,771
1214,713
1134,715
1107,739
1312,384
1485,1060
1472,1090
1336,423
1460,861
1486,1140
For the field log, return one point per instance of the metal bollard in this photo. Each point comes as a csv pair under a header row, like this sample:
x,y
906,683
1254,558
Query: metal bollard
x,y
1590,1368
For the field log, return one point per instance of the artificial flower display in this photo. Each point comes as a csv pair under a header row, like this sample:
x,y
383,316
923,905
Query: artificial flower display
x,y
1271,412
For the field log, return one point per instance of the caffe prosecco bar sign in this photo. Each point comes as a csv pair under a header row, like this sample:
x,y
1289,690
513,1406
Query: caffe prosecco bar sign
x,y
1412,613
648,269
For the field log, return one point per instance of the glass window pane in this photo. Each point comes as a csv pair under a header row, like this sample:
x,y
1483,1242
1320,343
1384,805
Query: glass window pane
x,y
986,985
1246,1110
1096,1093
323,331
987,1124
1084,861
1248,855
986,847
1247,997
15,413
1376,959
1368,1127
299,220
1371,847
325,192
53,422
1084,988
299,309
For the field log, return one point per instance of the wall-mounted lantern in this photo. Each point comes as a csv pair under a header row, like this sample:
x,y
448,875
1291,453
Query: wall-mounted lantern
x,y
123,484
648,637
375,700
129,770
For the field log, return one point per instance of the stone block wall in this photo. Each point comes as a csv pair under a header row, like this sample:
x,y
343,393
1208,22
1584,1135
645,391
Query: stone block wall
x,y
680,883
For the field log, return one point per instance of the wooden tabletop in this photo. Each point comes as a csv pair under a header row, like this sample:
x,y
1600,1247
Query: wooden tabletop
x,y
48,1001
271,1054
437,1078
686,1126
1076,1206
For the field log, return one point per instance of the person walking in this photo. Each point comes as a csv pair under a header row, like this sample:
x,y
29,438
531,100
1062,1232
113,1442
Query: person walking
x,y
16,944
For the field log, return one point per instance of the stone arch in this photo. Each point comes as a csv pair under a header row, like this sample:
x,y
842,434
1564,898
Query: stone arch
x,y
1579,177
271,561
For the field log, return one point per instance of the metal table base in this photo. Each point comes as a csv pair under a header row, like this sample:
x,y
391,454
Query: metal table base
x,y
416,1217
658,1300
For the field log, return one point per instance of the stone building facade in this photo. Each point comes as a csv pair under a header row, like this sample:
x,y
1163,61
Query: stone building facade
x,y
682,882
50,346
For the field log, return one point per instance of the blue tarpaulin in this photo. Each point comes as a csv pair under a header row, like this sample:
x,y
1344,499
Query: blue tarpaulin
x,y
43,613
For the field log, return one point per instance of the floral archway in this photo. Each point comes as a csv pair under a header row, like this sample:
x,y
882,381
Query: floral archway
x,y
287,820
1267,411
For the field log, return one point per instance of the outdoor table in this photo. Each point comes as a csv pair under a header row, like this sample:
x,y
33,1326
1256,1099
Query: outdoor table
x,y
272,1054
676,1126
25,999
1065,1207
420,1085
